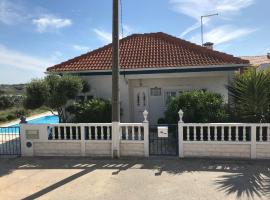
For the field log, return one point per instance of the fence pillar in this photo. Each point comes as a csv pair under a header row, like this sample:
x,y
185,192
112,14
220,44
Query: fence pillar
x,y
146,134
82,141
115,139
253,148
180,134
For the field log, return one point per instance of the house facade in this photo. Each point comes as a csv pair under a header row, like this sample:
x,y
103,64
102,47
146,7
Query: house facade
x,y
153,68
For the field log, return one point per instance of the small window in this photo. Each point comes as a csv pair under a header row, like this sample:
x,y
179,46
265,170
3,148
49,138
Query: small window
x,y
156,91
79,98
138,99
144,99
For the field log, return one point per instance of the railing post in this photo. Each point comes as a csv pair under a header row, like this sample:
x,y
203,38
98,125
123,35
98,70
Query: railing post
x,y
115,139
82,140
146,134
180,134
253,153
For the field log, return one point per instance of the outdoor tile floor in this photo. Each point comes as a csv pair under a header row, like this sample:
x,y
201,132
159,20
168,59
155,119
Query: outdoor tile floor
x,y
131,179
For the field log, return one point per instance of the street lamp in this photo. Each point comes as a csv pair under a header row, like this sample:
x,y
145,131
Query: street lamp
x,y
202,23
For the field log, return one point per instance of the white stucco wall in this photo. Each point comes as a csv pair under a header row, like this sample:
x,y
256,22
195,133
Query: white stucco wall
x,y
101,87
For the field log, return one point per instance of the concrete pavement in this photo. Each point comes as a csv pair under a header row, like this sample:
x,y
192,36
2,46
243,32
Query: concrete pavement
x,y
132,179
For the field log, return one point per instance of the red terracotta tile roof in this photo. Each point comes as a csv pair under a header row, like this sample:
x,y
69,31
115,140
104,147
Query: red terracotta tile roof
x,y
257,60
152,50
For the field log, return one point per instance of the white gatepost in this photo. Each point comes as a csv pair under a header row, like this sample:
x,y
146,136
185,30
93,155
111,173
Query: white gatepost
x,y
82,140
146,134
253,148
180,134
115,139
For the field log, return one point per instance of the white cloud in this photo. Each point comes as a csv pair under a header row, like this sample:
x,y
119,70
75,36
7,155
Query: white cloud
x,y
223,34
81,48
51,23
195,9
103,35
106,37
14,59
11,13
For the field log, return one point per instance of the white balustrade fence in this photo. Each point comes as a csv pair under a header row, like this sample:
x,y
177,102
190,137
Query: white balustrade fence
x,y
217,132
90,131
85,139
241,140
132,131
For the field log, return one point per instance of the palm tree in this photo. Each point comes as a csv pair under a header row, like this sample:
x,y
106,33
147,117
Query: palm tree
x,y
250,96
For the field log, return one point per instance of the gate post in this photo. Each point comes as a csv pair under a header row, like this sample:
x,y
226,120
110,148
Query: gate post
x,y
146,134
115,139
180,134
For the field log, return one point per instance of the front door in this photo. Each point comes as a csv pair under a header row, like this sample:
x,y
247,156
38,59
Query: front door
x,y
140,101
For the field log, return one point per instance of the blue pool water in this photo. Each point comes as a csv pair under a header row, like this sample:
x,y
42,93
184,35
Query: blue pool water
x,y
50,119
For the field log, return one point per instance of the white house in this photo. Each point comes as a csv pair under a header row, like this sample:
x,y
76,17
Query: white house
x,y
154,67
261,62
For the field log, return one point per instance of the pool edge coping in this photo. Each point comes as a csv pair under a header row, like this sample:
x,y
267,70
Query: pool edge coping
x,y
28,118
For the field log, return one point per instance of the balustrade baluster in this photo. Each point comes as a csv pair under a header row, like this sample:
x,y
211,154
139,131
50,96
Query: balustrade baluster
x,y
236,133
133,134
102,132
222,133
260,132
215,133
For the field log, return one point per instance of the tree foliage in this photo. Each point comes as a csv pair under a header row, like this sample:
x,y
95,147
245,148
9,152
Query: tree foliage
x,y
250,95
53,92
94,110
198,106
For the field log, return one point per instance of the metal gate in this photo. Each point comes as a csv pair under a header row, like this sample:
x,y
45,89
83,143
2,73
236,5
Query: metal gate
x,y
160,146
10,143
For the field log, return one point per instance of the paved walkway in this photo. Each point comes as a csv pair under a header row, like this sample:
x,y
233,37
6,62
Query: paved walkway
x,y
132,179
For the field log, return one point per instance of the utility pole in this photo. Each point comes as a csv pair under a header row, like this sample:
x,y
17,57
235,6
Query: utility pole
x,y
115,80
202,24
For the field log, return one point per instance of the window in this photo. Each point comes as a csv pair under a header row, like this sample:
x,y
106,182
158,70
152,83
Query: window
x,y
144,99
155,91
79,98
169,95
138,99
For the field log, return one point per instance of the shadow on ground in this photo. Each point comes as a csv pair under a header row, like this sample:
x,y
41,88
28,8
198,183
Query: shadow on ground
x,y
245,178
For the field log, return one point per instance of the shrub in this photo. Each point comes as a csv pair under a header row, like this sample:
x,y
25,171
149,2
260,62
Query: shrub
x,y
3,119
250,94
11,116
198,106
94,110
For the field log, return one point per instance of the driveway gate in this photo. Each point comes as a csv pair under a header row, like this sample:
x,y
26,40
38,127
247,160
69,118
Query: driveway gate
x,y
163,146
10,143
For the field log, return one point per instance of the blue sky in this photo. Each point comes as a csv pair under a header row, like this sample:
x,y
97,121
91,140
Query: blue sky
x,y
35,34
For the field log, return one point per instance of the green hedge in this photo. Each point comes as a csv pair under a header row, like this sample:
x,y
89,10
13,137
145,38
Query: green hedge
x,y
199,106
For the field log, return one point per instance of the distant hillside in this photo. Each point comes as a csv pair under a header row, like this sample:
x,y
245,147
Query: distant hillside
x,y
16,89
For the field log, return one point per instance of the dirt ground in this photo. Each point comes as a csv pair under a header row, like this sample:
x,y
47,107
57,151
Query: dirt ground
x,y
132,179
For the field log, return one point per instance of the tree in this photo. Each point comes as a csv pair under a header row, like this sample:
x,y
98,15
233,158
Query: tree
x,y
250,96
199,106
94,110
53,92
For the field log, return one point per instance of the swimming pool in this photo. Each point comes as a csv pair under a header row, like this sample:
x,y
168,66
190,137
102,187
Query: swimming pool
x,y
49,119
